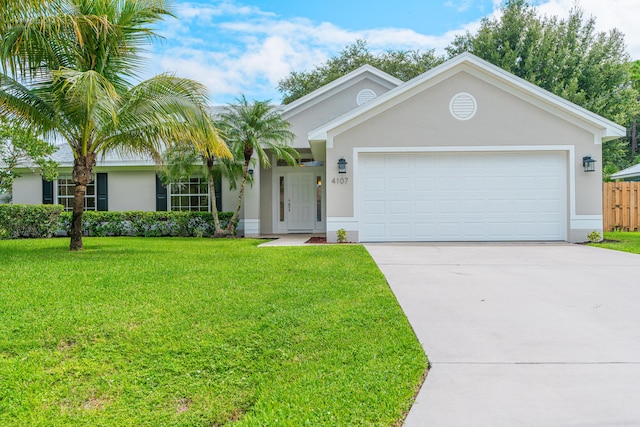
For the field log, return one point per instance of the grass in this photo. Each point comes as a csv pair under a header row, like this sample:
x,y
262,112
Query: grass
x,y
625,241
200,332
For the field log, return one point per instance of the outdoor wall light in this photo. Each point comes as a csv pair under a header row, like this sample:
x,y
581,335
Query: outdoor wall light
x,y
251,172
342,165
588,164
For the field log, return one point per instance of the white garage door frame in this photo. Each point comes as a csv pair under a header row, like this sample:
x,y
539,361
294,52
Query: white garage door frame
x,y
574,221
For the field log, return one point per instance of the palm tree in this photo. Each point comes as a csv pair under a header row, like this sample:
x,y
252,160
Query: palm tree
x,y
68,72
185,161
252,128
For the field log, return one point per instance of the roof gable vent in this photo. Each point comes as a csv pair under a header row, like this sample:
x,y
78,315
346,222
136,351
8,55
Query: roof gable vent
x,y
463,106
365,95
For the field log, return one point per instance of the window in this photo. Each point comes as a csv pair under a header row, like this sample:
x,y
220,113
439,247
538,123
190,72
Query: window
x,y
190,194
318,198
66,191
281,198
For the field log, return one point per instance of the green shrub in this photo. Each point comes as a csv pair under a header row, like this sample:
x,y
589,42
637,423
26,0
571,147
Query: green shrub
x,y
146,224
594,237
29,220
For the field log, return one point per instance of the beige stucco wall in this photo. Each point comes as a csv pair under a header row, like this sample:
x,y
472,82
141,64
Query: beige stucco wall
x,y
27,189
266,201
328,108
131,190
502,119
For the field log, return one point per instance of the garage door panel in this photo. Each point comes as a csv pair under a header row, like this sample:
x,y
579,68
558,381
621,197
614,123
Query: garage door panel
x,y
448,184
448,207
399,184
424,207
400,207
374,184
474,207
374,207
424,184
400,230
399,162
463,196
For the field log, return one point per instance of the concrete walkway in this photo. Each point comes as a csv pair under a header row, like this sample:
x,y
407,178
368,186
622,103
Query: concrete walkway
x,y
521,335
288,240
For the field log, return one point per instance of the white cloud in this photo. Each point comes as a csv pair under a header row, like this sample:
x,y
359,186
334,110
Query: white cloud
x,y
460,5
252,50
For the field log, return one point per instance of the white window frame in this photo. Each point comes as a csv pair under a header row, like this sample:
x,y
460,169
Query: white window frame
x,y
175,189
66,200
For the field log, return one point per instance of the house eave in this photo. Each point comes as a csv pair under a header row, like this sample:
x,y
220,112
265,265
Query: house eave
x,y
606,129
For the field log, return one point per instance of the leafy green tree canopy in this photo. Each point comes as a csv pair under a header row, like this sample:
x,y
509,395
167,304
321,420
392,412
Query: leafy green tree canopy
x,y
402,64
567,57
19,147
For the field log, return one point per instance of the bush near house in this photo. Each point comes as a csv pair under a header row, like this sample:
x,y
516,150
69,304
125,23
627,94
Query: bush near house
x,y
37,221
18,221
146,224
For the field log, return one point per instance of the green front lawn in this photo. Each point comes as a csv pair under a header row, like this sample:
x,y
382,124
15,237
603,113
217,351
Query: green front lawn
x,y
200,332
621,241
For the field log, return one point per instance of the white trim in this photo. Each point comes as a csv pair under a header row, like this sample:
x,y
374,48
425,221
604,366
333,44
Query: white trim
x,y
571,169
251,227
352,77
458,148
586,222
349,223
469,62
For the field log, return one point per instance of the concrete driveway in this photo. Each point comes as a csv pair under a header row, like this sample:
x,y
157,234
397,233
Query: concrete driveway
x,y
521,334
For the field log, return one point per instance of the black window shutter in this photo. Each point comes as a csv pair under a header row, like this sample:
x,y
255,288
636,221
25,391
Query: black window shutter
x,y
161,195
102,192
47,192
218,190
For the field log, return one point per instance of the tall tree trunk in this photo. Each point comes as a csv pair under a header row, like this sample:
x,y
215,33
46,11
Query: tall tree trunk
x,y
217,231
236,214
82,176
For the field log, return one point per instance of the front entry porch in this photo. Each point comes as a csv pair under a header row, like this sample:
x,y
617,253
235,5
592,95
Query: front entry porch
x,y
298,200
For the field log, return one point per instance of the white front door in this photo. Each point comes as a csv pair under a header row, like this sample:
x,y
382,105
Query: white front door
x,y
301,202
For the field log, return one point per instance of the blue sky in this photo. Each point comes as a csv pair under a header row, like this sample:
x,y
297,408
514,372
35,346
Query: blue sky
x,y
245,47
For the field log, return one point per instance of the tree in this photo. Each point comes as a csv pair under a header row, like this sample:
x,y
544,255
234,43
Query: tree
x,y
566,57
181,163
68,72
402,64
634,69
20,147
252,128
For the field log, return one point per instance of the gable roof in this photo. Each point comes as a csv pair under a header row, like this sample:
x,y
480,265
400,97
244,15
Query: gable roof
x,y
630,172
347,80
484,70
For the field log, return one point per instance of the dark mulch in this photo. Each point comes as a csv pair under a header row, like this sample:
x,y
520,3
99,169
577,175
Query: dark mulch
x,y
317,239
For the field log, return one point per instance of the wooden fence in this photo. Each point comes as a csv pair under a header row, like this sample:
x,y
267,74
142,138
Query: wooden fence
x,y
621,206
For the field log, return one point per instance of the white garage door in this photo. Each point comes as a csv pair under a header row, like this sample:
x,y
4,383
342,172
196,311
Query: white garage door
x,y
495,196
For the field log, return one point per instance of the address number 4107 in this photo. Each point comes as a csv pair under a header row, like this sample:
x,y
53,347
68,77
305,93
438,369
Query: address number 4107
x,y
341,180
